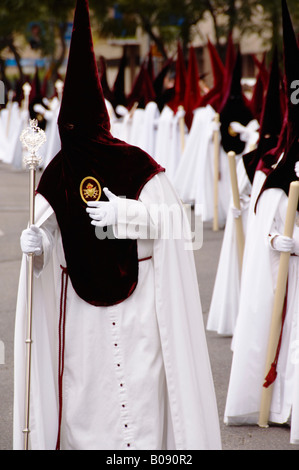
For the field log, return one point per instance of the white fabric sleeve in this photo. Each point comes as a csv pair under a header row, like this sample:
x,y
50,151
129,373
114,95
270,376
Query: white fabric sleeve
x,y
275,231
48,230
296,235
278,228
134,219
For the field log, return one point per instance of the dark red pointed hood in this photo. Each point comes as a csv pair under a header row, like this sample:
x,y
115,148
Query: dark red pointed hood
x,y
284,173
259,91
234,108
108,95
163,95
270,125
36,97
82,94
118,90
143,90
180,81
192,93
214,96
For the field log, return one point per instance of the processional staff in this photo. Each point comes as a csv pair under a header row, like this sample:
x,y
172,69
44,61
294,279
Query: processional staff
x,y
216,141
32,139
59,88
182,126
236,200
9,108
27,91
279,298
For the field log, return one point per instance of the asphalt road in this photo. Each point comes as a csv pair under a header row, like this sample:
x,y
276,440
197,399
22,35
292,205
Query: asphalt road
x,y
13,219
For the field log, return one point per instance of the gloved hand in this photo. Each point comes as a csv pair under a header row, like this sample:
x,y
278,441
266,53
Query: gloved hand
x,y
236,212
103,213
244,203
32,241
283,244
297,169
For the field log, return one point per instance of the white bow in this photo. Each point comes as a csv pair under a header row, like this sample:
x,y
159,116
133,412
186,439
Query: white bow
x,y
247,133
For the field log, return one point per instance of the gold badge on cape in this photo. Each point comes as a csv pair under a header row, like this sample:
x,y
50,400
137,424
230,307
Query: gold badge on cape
x,y
90,189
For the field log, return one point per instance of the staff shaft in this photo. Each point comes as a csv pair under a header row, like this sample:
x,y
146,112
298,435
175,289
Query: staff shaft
x,y
28,341
216,173
236,200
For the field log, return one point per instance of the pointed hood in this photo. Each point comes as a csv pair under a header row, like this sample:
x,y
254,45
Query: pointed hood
x,y
35,93
163,95
143,90
108,95
36,97
180,80
236,109
257,100
119,94
230,60
291,65
90,160
83,107
284,173
270,125
192,93
262,69
214,95
150,65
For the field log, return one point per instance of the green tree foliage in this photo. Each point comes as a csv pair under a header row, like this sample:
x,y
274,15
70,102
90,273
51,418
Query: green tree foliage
x,y
41,23
164,21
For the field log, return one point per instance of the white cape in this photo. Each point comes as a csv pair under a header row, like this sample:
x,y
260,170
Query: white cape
x,y
169,146
194,177
193,421
225,299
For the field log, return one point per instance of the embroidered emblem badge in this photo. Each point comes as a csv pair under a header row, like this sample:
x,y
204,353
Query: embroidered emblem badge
x,y
90,189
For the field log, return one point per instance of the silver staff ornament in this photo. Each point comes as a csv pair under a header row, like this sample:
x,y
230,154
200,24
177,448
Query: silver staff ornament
x,y
32,138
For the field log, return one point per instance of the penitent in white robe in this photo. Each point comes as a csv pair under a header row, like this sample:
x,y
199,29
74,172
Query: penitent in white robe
x,y
224,306
136,375
194,177
259,276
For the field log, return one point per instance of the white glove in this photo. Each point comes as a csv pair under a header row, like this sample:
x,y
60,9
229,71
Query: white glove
x,y
104,213
297,169
244,203
236,212
121,110
282,243
247,133
32,241
38,108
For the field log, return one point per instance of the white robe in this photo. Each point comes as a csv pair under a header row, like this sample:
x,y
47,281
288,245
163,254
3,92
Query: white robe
x,y
259,275
17,152
169,145
164,136
136,127
224,306
53,143
149,129
194,177
148,353
13,121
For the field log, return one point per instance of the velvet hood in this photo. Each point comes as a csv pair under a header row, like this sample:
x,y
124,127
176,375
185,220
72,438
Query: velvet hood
x,y
234,108
284,172
262,158
103,272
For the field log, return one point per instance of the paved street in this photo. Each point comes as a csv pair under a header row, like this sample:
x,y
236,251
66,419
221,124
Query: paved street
x,y
13,218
